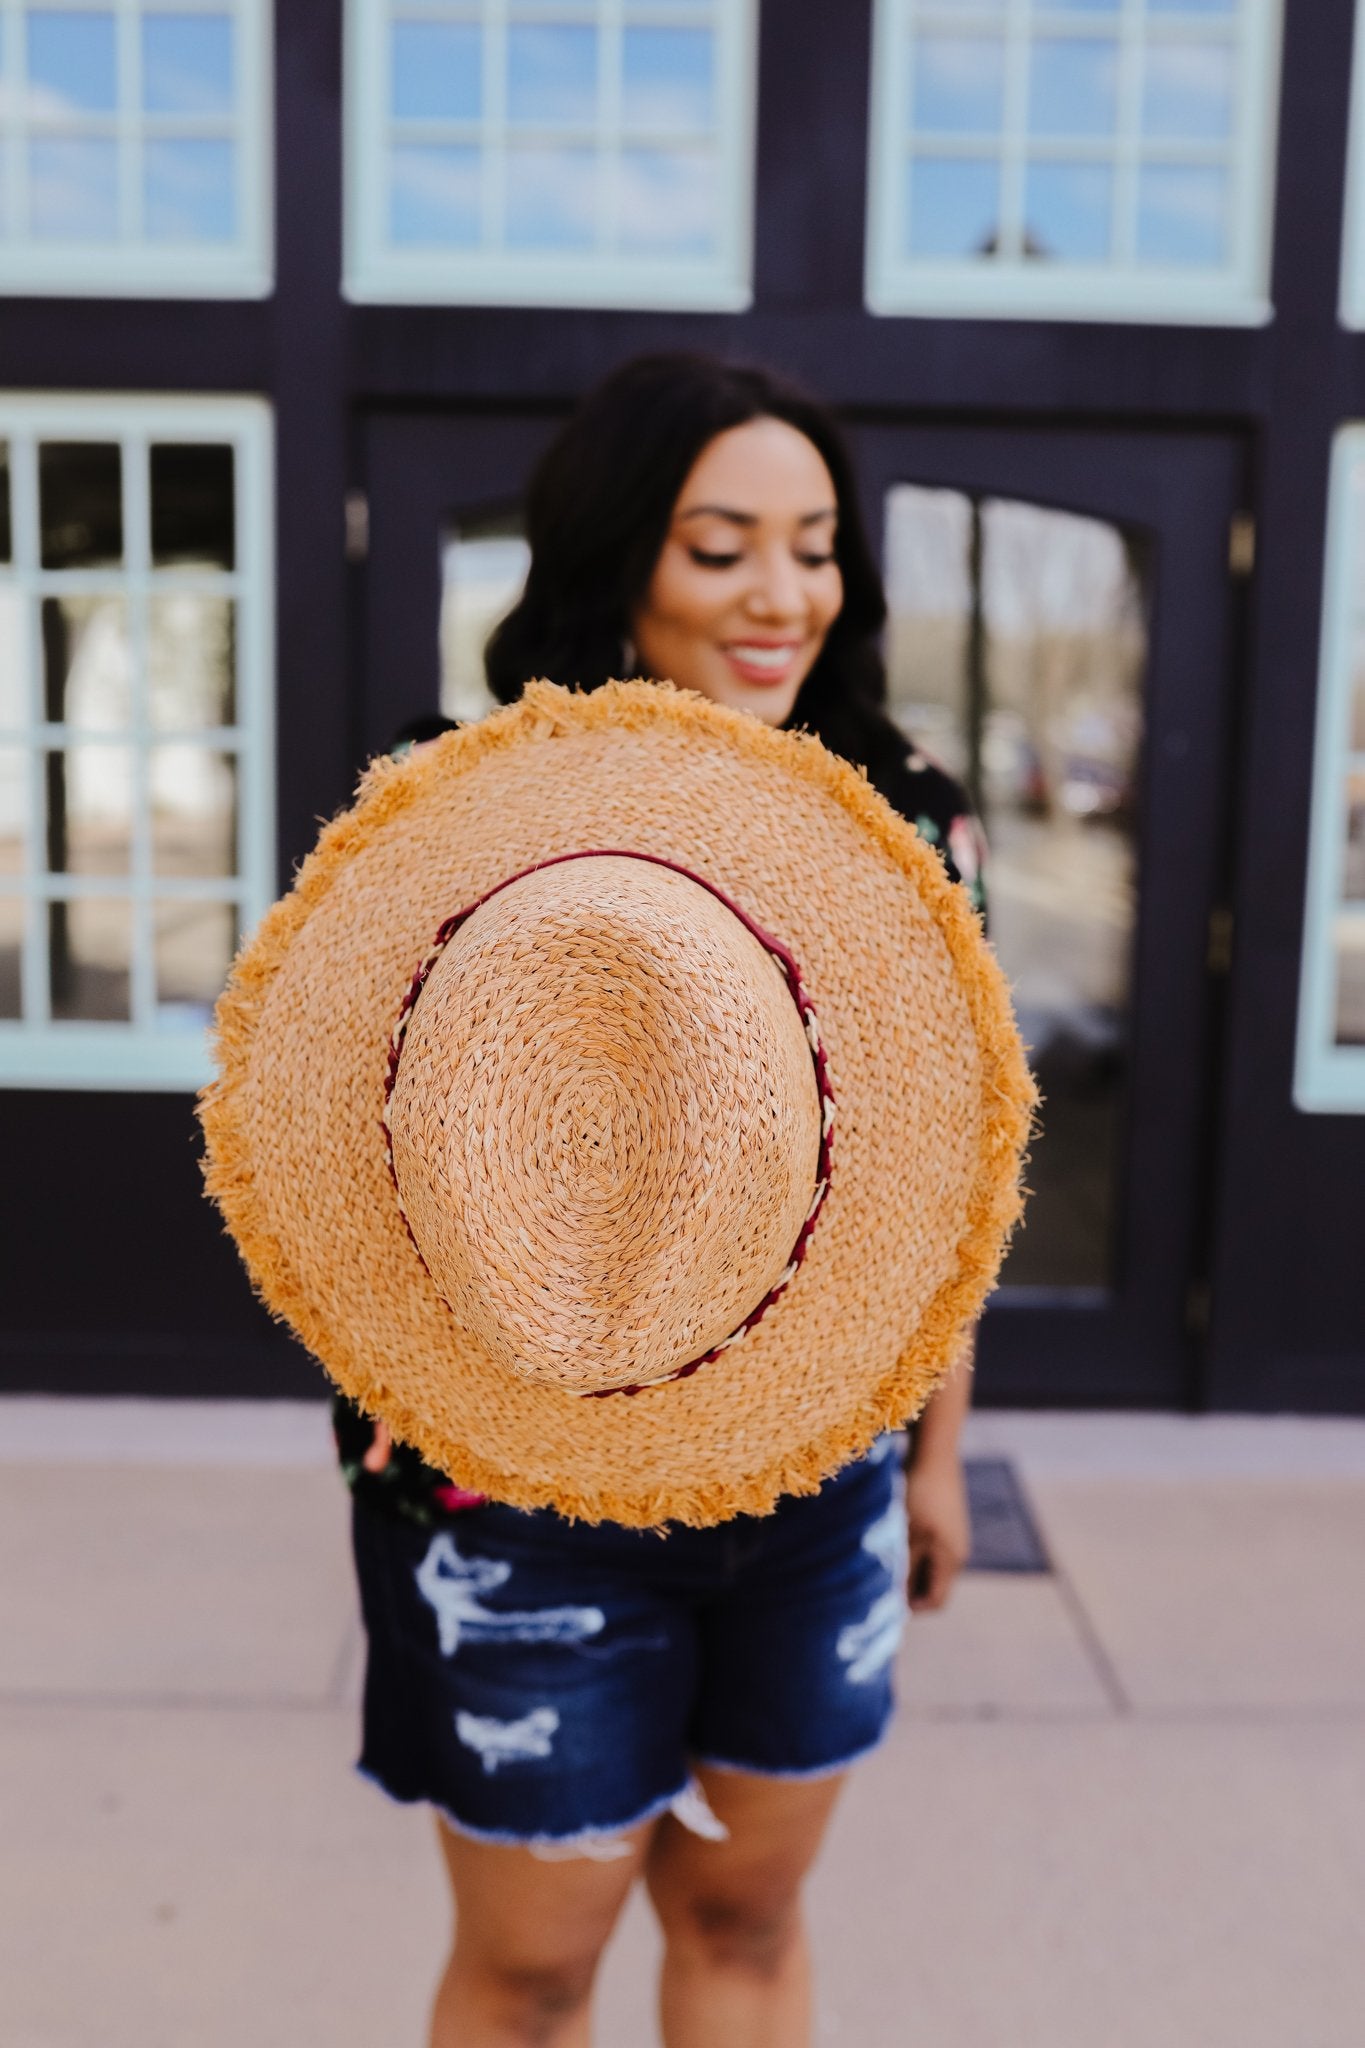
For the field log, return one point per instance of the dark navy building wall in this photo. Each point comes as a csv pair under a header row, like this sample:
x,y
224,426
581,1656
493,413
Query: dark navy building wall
x,y
117,1277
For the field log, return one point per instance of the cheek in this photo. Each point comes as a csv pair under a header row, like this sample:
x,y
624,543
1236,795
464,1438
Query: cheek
x,y
680,600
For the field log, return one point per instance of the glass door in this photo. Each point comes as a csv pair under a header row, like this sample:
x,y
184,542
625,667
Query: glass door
x,y
1059,636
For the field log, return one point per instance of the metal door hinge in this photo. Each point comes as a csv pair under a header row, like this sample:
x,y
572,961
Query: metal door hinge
x,y
357,511
1241,544
1198,1308
1220,939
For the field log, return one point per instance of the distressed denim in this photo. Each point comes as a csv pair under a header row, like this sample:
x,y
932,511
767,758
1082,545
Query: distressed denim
x,y
541,1681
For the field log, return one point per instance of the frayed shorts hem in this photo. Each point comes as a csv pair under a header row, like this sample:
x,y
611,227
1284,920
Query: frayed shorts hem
x,y
503,1838
803,1774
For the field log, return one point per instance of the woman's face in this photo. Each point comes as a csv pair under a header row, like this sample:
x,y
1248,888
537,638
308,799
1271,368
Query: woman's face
x,y
746,586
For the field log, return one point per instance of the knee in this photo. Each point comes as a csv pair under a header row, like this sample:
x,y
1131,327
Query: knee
x,y
534,2000
752,1932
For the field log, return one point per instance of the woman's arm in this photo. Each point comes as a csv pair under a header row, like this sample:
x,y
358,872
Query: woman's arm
x,y
936,1490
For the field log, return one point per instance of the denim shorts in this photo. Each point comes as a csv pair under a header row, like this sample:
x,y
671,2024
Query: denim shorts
x,y
541,1681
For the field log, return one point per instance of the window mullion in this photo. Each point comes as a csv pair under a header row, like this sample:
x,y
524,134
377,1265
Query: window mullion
x,y
17,150
1128,139
137,561
493,158
611,59
1014,134
33,978
128,142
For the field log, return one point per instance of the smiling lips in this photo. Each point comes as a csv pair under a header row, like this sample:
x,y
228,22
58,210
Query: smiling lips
x,y
763,661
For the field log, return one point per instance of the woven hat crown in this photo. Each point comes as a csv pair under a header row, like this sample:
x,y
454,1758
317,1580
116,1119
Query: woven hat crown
x,y
605,1123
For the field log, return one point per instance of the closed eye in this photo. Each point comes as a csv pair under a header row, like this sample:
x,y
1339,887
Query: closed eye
x,y
708,561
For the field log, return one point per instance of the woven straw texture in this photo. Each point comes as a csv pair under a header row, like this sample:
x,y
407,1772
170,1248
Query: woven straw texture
x,y
934,1104
606,1124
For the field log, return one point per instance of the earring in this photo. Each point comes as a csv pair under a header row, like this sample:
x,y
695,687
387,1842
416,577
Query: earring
x,y
630,660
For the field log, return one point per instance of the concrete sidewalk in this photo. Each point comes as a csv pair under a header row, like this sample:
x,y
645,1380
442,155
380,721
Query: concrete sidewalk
x,y
1124,1806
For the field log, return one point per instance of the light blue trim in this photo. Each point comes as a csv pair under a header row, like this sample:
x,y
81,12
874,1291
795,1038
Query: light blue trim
x,y
1009,287
39,1053
1328,1076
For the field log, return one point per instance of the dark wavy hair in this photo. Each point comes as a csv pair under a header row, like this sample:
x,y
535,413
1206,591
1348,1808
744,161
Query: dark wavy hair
x,y
598,511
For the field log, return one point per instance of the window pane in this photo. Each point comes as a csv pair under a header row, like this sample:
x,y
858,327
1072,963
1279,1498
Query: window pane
x,y
551,76
187,64
191,659
192,517
954,207
194,944
80,504
6,542
1183,214
1353,866
1041,714
89,797
1073,85
14,670
959,83
483,568
72,62
1350,1005
11,956
551,198
87,663
437,70
1187,90
434,197
1068,211
194,811
667,80
668,201
73,188
88,949
13,810
188,191
1223,7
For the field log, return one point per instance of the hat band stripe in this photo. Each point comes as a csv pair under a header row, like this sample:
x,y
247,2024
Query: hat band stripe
x,y
791,972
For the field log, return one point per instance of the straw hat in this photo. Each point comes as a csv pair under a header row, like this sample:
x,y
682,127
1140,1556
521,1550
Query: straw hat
x,y
624,1105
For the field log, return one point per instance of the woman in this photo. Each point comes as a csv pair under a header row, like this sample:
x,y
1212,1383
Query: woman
x,y
694,521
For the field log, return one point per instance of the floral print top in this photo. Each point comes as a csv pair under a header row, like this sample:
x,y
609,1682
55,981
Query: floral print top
x,y
408,1487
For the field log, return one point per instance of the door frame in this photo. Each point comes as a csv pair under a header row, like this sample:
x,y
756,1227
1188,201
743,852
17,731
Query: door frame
x,y
1137,1343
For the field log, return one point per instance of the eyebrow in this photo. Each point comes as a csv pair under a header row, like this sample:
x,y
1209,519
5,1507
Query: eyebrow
x,y
751,518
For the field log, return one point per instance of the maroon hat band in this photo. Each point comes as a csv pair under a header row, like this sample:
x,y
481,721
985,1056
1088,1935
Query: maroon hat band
x,y
809,1023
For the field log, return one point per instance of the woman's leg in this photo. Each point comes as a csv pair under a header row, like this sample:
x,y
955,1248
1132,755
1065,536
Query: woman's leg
x,y
528,1936
736,1965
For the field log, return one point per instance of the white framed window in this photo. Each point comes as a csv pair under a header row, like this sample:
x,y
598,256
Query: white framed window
x,y
1353,236
135,147
1074,159
1330,1065
550,152
136,729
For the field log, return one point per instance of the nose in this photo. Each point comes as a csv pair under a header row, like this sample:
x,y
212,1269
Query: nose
x,y
777,593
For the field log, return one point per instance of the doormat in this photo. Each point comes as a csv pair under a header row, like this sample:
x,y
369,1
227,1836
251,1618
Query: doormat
x,y
1005,1537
